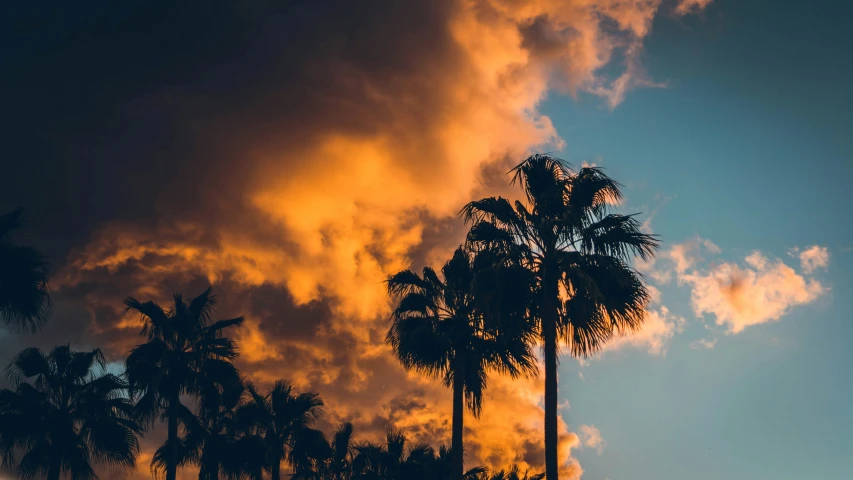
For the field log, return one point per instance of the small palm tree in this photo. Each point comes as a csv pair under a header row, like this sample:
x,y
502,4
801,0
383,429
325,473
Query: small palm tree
x,y
317,459
185,353
513,473
214,439
24,298
425,463
578,255
62,417
342,452
284,420
396,459
440,328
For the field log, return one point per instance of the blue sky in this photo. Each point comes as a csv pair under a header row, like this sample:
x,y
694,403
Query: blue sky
x,y
749,147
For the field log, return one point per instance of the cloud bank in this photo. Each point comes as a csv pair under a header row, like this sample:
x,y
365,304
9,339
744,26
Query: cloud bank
x,y
295,155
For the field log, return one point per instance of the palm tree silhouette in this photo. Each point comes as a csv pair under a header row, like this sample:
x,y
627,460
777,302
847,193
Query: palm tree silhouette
x,y
578,254
439,328
62,417
396,459
184,354
283,419
214,439
317,459
342,451
24,298
513,473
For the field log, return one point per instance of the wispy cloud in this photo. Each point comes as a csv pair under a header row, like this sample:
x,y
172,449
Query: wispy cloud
x,y
591,438
688,6
812,258
703,344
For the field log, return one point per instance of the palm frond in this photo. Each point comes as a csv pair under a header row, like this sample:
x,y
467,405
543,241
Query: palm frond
x,y
405,282
24,287
618,236
31,362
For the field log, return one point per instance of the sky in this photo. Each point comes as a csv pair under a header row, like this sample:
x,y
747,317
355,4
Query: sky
x,y
294,155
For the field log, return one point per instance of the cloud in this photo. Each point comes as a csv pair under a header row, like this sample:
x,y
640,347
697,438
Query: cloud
x,y
686,255
757,291
703,344
591,438
658,329
690,6
753,291
813,258
739,294
295,154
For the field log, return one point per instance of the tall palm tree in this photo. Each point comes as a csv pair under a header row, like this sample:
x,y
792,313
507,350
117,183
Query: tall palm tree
x,y
578,253
184,354
62,417
284,420
441,329
24,298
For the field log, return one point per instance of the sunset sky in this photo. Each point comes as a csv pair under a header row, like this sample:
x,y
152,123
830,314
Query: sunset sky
x,y
295,155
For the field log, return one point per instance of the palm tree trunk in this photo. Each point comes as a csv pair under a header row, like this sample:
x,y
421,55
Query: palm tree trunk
x,y
457,460
55,467
172,438
275,471
549,332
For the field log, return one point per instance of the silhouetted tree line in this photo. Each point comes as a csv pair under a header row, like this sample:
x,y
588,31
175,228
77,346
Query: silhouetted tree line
x,y
553,267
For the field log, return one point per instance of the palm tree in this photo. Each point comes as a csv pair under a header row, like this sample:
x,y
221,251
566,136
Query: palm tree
x,y
184,354
24,298
283,419
62,417
317,459
397,460
513,473
425,463
441,330
577,252
214,439
342,452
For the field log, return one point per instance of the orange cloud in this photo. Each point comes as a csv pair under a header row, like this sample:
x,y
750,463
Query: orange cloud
x,y
741,295
659,327
738,294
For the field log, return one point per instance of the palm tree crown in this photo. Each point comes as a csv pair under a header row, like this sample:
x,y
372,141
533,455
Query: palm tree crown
x,y
578,254
185,354
441,328
283,419
62,417
24,298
